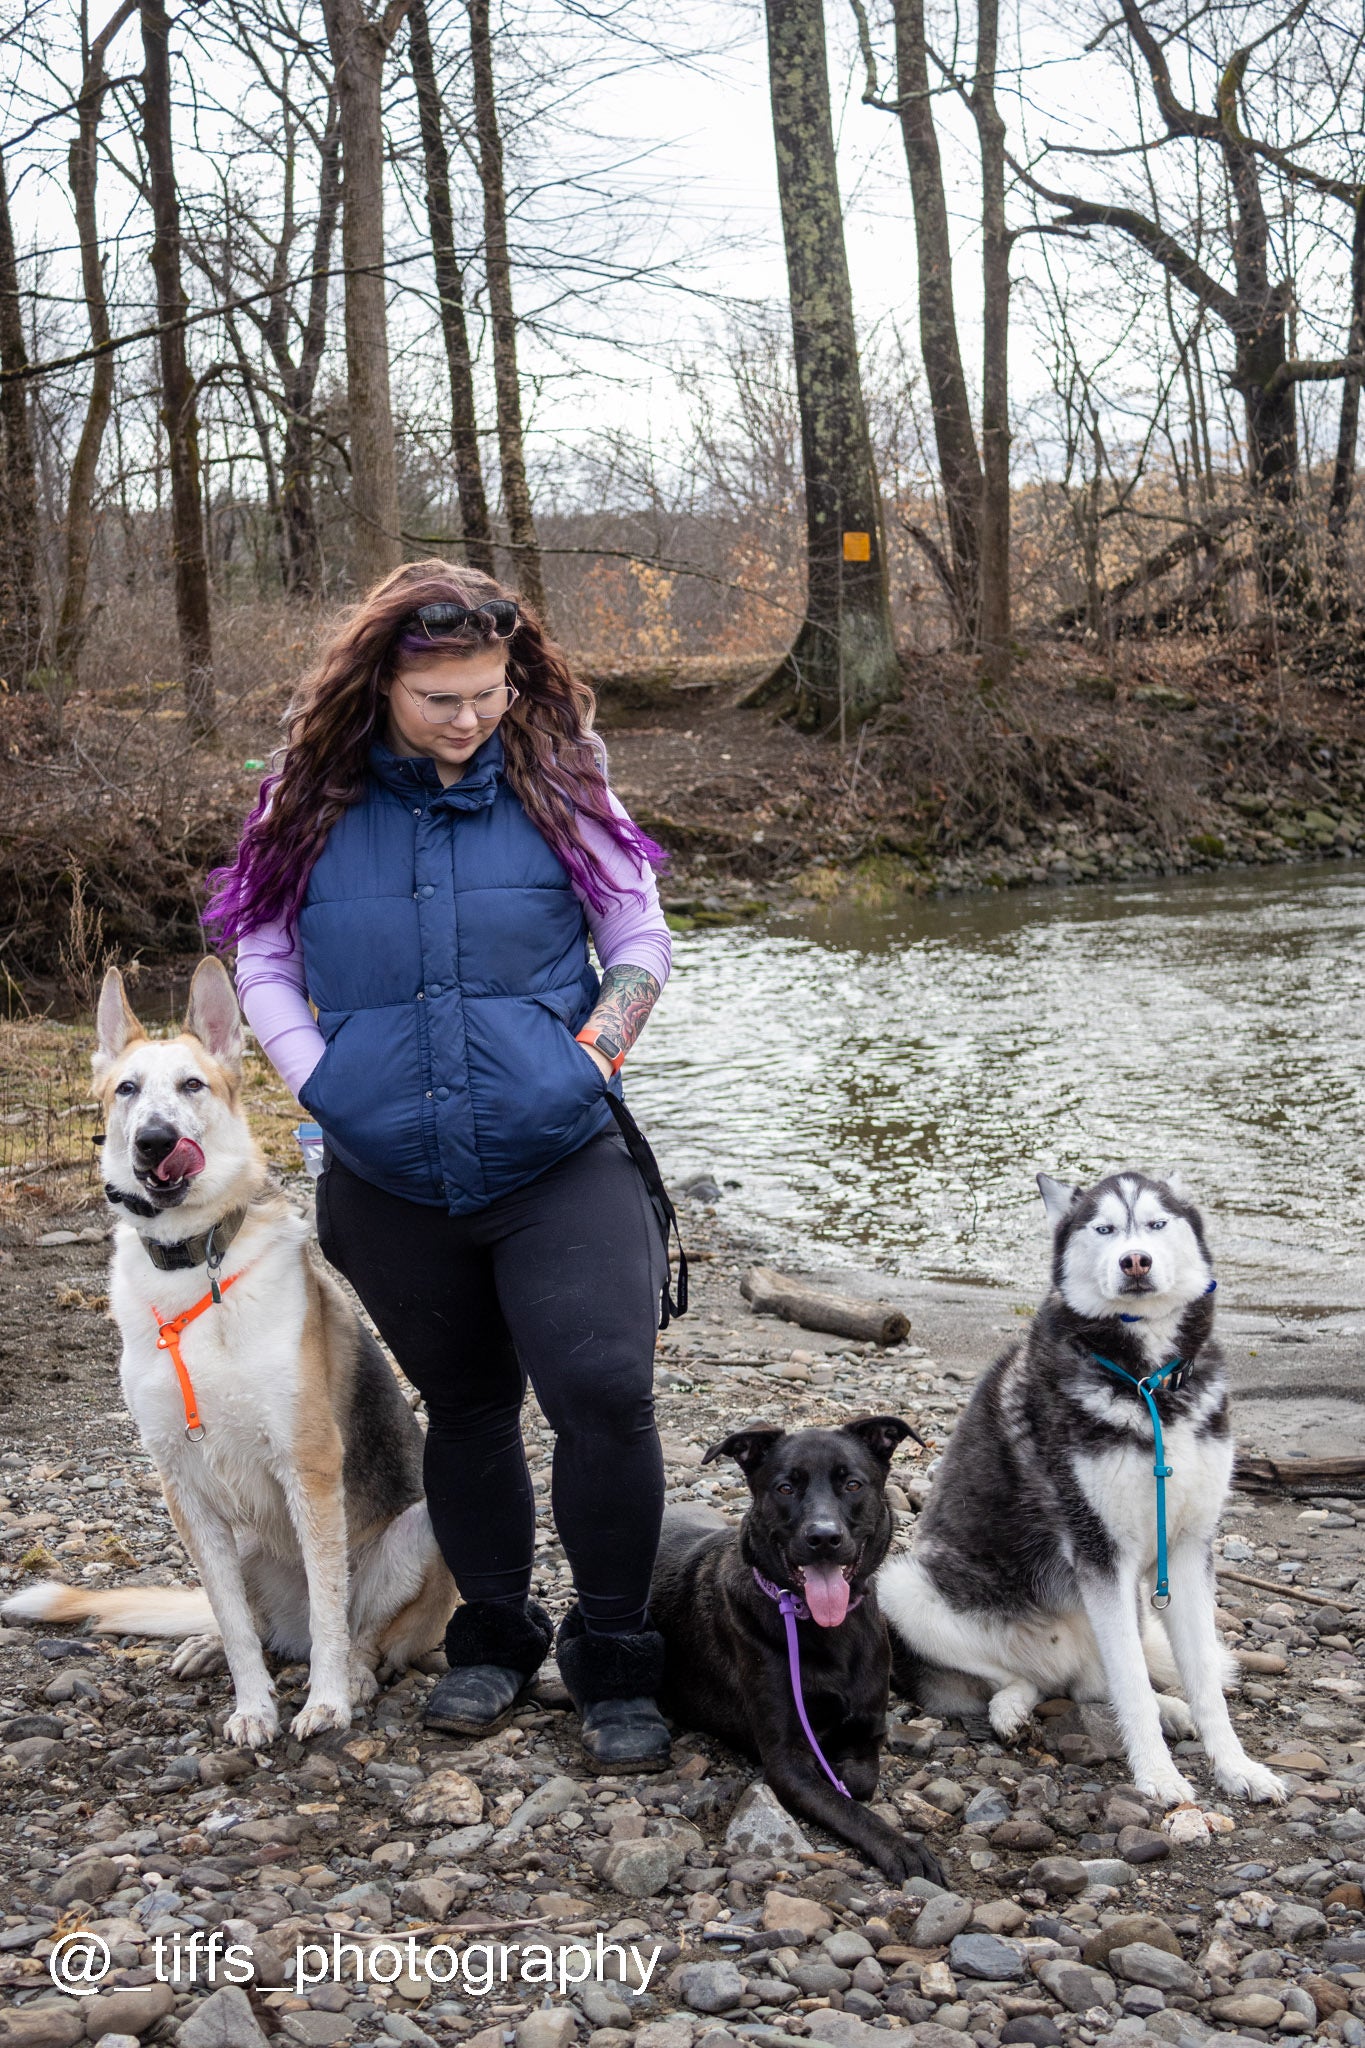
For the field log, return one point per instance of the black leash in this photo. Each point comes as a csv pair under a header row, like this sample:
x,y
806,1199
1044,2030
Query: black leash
x,y
673,1302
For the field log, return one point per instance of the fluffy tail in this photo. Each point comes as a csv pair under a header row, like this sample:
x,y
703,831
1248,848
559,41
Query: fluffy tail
x,y
136,1611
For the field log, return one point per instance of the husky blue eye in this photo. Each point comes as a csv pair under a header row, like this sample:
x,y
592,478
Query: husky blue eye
x,y
1157,1223
1104,1230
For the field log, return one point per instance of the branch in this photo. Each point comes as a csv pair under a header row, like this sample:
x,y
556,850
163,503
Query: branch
x,y
1308,371
160,327
1177,261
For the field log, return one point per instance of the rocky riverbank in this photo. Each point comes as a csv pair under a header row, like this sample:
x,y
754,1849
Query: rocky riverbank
x,y
1077,1912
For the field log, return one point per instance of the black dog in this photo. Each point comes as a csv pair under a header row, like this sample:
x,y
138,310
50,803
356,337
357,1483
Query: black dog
x,y
818,1526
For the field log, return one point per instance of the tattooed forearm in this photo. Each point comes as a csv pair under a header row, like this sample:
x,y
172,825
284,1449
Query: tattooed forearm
x,y
628,995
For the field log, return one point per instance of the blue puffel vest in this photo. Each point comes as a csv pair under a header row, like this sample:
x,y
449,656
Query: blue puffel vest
x,y
447,955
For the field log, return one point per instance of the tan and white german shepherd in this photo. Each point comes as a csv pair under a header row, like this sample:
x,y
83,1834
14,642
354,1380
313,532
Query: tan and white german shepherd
x,y
290,1460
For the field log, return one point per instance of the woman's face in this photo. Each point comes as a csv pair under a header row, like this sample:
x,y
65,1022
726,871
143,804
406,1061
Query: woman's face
x,y
469,684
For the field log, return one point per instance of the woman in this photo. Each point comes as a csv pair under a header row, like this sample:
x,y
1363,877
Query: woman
x,y
426,866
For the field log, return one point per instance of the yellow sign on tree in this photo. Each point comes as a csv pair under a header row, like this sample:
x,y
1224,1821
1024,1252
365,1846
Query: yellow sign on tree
x,y
857,547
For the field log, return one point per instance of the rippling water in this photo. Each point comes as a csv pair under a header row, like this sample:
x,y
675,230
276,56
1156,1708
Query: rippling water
x,y
883,1088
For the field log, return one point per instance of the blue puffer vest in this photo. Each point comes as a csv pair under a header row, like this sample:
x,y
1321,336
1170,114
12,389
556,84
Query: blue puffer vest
x,y
447,955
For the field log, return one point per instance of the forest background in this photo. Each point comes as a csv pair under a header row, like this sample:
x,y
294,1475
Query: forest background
x,y
923,409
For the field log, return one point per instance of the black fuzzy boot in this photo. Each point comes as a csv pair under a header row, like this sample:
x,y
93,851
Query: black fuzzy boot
x,y
494,1650
613,1680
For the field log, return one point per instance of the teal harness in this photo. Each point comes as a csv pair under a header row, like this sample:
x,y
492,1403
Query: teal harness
x,y
1161,1598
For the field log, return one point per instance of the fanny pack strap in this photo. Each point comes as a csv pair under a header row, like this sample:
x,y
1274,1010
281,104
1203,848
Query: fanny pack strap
x,y
673,1301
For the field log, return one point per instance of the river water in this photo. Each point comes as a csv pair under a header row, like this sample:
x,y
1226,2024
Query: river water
x,y
883,1087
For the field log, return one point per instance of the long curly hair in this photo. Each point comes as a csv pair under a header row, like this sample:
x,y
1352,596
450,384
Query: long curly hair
x,y
553,760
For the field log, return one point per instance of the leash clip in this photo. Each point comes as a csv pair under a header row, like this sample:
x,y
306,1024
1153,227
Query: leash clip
x,y
196,1432
1161,1601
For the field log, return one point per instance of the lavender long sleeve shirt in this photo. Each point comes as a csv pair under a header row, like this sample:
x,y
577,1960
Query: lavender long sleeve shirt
x,y
273,987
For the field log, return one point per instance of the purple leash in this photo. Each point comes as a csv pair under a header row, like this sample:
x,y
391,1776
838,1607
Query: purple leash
x,y
793,1609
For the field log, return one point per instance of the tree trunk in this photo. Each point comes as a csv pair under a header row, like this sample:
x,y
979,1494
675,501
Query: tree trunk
x,y
304,571
82,169
843,663
1344,467
178,409
21,616
516,495
359,44
464,436
958,462
993,619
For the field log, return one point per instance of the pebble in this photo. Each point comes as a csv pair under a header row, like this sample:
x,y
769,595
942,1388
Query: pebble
x,y
642,1869
447,1799
986,1955
222,2020
941,1919
761,1826
1059,1876
547,2027
709,1987
1187,1828
1075,1986
1138,1962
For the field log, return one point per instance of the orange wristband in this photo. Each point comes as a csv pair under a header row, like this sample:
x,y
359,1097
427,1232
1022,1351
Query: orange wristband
x,y
587,1036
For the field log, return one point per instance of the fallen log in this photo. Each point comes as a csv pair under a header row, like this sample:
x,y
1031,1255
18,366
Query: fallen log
x,y
814,1308
1299,1475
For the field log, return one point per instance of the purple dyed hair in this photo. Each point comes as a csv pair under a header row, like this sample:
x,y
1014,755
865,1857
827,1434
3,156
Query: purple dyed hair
x,y
553,760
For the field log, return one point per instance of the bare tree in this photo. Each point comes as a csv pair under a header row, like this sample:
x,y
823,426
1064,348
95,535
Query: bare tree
x,y
359,39
516,492
82,173
464,435
21,614
843,660
179,410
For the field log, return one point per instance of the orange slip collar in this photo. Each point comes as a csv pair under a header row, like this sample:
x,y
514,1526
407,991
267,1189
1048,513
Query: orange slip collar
x,y
169,1340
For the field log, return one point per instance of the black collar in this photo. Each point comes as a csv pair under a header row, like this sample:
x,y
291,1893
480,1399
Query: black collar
x,y
208,1249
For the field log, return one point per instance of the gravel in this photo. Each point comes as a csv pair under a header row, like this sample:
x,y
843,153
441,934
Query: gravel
x,y
1071,1916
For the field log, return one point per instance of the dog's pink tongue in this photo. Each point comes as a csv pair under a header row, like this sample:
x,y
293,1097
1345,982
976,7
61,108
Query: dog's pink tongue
x,y
826,1591
183,1160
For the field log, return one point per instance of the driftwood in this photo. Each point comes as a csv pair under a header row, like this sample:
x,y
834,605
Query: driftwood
x,y
839,1315
1299,1475
1341,1601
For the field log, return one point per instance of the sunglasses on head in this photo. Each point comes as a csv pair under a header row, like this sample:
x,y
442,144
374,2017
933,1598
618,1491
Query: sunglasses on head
x,y
445,621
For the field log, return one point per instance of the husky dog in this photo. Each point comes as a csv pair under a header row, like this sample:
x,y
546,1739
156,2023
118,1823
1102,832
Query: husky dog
x,y
290,1460
1034,1558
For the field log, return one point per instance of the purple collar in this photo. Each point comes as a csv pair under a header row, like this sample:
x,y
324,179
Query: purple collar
x,y
793,1608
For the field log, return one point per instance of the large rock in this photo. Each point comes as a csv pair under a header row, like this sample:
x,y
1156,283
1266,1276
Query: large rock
x,y
1293,1924
1074,1986
1139,1963
761,1826
710,1987
845,2030
134,2011
549,2026
987,1810
642,1868
90,1877
1061,1877
986,1955
448,1799
784,1914
1249,2009
42,2026
1127,1928
941,1919
225,2020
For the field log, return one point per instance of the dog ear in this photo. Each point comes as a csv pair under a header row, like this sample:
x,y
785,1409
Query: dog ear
x,y
213,1017
882,1434
115,1025
748,1448
1059,1197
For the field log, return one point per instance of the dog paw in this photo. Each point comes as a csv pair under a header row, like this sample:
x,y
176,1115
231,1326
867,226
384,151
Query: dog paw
x,y
1166,1786
315,1717
197,1657
1177,1722
252,1727
1011,1709
364,1684
1247,1780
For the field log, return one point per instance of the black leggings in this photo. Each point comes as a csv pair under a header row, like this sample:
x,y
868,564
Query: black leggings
x,y
558,1283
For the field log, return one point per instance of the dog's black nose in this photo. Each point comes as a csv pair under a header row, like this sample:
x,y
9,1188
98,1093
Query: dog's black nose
x,y
821,1538
1135,1264
153,1142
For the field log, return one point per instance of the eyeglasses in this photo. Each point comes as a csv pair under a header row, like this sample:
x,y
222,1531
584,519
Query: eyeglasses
x,y
441,621
444,707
